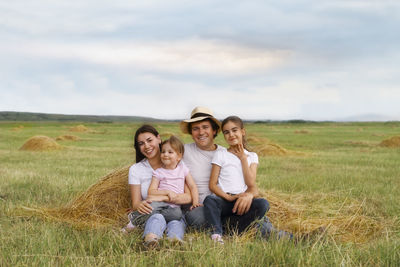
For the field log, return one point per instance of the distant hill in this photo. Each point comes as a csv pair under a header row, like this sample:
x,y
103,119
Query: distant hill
x,y
29,116
371,117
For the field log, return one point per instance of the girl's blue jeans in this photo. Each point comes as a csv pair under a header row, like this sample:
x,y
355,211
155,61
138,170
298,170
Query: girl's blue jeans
x,y
157,224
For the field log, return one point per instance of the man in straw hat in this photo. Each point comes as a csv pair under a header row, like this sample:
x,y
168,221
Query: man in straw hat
x,y
204,127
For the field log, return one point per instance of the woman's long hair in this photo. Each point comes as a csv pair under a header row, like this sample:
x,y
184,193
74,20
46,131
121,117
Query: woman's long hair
x,y
143,129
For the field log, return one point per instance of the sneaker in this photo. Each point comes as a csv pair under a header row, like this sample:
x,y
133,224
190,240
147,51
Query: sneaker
x,y
217,238
151,243
283,235
128,228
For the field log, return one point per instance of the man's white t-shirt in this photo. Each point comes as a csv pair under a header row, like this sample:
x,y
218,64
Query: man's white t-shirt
x,y
141,174
231,179
199,163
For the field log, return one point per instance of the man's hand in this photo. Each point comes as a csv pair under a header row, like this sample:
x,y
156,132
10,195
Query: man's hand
x,y
243,203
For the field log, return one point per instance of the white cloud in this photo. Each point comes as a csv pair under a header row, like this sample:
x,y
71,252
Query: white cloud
x,y
258,59
186,56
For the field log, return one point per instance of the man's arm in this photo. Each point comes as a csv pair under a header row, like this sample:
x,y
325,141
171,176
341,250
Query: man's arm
x,y
193,191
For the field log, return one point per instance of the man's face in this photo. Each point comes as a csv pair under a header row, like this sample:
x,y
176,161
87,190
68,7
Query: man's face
x,y
203,135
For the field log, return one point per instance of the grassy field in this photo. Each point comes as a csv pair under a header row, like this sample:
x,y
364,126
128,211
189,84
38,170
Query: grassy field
x,y
339,163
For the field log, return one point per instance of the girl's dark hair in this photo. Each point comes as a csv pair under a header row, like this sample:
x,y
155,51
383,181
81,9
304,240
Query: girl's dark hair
x,y
175,143
143,129
239,122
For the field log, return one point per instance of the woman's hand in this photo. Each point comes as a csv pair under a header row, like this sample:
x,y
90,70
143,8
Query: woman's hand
x,y
145,207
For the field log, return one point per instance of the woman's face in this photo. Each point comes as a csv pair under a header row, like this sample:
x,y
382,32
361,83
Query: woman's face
x,y
149,145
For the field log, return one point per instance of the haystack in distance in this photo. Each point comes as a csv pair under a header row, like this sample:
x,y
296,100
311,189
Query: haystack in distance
x,y
79,128
391,142
264,147
68,138
40,143
19,128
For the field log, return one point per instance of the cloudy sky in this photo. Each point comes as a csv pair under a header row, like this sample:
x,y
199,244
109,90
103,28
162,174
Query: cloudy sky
x,y
287,59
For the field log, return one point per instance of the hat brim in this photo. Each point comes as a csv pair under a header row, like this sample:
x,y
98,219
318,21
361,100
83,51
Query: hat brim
x,y
184,125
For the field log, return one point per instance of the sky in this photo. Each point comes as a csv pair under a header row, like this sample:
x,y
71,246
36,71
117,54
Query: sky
x,y
260,60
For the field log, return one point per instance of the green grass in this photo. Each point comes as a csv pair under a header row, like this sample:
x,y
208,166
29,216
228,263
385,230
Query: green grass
x,y
342,159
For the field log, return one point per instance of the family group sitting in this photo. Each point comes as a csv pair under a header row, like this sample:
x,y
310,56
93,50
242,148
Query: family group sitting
x,y
200,185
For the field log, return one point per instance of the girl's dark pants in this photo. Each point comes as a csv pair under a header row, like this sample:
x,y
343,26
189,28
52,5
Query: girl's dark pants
x,y
218,212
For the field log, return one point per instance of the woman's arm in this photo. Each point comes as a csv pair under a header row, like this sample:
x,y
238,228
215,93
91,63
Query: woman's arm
x,y
213,184
142,206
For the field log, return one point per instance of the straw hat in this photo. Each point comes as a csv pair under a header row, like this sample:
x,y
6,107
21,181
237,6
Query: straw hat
x,y
199,114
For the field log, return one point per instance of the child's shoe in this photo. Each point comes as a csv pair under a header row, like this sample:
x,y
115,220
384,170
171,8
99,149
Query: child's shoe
x,y
217,238
128,228
150,242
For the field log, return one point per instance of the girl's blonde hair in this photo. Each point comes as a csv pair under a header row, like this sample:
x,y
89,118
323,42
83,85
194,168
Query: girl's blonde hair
x,y
175,143
239,122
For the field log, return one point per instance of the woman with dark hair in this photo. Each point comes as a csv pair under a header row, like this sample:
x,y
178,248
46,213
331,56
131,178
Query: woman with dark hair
x,y
147,145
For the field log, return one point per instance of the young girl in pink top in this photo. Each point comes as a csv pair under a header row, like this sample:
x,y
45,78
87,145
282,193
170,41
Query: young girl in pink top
x,y
168,181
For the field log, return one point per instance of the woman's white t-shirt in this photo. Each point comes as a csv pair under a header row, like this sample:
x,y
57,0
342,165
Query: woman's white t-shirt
x,y
141,174
231,179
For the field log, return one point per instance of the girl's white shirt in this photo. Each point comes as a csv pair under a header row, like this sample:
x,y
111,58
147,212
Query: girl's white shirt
x,y
231,179
141,174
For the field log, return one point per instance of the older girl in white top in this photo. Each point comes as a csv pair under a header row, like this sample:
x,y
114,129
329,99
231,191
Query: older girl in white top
x,y
233,173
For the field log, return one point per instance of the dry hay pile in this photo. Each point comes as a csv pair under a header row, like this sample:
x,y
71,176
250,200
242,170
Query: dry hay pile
x,y
356,142
301,132
391,142
264,147
40,143
104,203
79,128
68,138
343,219
19,128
